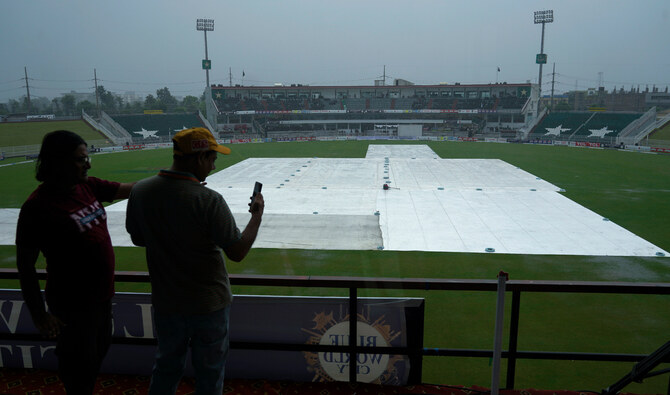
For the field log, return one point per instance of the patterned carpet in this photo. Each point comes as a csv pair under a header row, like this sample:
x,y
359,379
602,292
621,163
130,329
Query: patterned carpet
x,y
43,382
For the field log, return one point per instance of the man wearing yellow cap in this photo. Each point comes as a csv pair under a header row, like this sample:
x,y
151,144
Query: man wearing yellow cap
x,y
185,226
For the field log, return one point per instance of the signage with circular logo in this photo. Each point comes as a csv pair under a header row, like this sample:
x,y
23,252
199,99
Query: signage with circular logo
x,y
369,366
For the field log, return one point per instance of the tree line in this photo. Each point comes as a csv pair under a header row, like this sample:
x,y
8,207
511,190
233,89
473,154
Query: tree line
x,y
67,104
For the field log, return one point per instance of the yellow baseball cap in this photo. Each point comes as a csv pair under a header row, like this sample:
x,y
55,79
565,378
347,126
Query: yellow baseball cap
x,y
193,140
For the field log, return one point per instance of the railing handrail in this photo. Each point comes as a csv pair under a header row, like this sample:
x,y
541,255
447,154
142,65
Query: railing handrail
x,y
428,284
516,287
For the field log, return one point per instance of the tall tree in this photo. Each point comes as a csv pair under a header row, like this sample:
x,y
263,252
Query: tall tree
x,y
25,105
13,106
136,107
150,103
68,103
87,106
55,106
202,106
190,103
107,101
166,99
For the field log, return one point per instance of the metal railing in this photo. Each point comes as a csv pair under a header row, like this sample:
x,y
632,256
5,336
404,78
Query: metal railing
x,y
353,284
641,127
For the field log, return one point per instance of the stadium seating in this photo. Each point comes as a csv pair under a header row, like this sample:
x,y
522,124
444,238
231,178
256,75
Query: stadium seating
x,y
559,125
142,126
604,126
230,105
576,126
511,102
380,104
403,103
356,104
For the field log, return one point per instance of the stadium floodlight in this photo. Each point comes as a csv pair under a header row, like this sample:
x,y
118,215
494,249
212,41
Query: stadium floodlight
x,y
205,25
543,17
546,16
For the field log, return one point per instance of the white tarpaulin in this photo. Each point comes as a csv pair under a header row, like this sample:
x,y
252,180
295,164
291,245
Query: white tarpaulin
x,y
430,204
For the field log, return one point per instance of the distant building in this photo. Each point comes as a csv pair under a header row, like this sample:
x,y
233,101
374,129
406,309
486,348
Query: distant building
x,y
131,97
658,99
616,101
557,102
81,96
401,82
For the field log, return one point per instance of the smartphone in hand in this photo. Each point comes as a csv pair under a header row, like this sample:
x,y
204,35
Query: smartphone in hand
x,y
257,189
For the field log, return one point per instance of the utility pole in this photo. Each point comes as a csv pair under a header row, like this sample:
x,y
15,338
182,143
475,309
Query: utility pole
x,y
230,76
553,78
384,77
25,70
97,101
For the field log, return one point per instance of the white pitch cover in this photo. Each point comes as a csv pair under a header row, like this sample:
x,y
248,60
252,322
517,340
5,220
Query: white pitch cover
x,y
428,204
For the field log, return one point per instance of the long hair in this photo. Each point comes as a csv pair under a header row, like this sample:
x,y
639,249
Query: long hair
x,y
56,155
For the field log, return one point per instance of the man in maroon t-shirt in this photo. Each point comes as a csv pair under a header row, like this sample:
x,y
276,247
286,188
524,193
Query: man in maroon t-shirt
x,y
65,221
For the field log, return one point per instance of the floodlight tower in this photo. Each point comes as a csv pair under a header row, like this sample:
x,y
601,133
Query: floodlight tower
x,y
543,17
207,25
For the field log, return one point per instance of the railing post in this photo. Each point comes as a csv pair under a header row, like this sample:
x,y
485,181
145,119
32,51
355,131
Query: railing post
x,y
513,340
497,343
353,319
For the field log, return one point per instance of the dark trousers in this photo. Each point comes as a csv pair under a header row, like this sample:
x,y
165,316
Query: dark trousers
x,y
82,345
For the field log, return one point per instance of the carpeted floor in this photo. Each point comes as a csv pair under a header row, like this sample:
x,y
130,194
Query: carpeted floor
x,y
43,382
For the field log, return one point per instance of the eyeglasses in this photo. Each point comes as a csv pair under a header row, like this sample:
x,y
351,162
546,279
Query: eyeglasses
x,y
83,160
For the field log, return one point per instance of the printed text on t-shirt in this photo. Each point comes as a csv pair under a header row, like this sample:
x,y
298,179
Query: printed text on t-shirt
x,y
89,216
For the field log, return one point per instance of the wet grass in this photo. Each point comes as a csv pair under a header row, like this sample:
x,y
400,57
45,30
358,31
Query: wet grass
x,y
631,189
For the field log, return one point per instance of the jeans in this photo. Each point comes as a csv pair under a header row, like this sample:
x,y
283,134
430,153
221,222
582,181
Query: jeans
x,y
82,345
208,336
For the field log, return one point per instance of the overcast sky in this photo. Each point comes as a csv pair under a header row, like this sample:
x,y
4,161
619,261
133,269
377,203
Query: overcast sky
x,y
144,45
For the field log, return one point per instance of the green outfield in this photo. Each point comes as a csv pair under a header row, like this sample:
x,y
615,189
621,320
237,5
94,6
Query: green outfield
x,y
662,134
631,189
29,133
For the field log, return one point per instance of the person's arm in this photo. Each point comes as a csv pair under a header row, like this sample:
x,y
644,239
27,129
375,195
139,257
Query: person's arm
x,y
238,250
124,190
132,227
26,257
137,240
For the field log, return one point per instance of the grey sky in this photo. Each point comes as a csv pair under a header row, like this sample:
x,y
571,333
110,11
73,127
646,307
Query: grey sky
x,y
145,45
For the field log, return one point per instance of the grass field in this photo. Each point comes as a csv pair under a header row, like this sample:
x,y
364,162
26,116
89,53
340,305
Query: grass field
x,y
631,189
29,133
662,134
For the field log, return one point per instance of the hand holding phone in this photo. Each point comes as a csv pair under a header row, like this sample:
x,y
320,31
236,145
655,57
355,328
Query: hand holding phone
x,y
257,189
